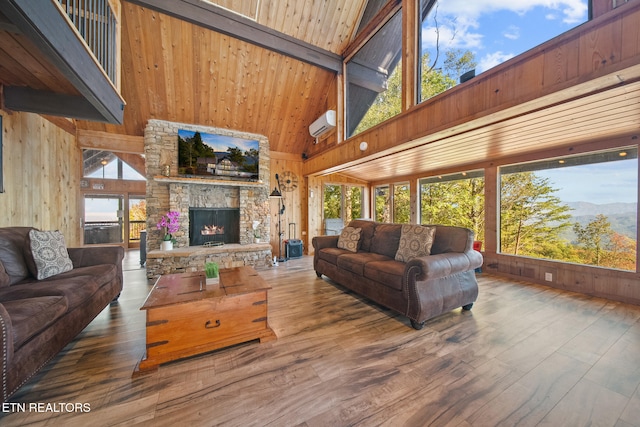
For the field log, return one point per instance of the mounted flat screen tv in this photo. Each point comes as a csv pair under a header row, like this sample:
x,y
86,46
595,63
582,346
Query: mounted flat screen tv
x,y
217,156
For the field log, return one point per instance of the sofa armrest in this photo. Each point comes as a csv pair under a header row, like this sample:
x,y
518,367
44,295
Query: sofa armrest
x,y
443,265
320,242
6,346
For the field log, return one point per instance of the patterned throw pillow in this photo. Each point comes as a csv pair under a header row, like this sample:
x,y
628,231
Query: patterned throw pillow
x,y
49,252
349,239
415,241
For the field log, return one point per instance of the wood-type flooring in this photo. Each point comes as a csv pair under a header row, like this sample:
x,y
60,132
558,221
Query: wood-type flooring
x,y
524,355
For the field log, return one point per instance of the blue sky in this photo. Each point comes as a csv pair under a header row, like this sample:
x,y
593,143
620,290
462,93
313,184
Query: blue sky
x,y
602,183
496,30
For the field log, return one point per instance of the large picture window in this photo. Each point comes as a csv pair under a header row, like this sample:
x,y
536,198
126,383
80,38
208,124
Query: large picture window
x,y
580,209
459,40
456,199
374,79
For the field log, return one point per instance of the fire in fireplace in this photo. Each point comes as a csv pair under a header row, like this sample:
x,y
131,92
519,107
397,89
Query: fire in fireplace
x,y
214,226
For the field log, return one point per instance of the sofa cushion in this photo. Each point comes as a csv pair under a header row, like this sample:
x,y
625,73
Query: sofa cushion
x,y
77,285
388,272
349,239
49,252
415,241
386,239
331,254
366,235
355,262
32,315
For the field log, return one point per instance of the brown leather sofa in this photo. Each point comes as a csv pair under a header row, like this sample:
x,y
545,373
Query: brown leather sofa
x,y
420,289
38,318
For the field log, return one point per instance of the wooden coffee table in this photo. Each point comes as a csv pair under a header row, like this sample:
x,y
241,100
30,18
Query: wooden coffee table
x,y
185,317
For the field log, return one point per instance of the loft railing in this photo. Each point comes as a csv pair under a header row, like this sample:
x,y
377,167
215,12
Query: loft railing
x,y
97,23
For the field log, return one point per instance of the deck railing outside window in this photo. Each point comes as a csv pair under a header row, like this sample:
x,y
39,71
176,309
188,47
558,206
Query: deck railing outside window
x,y
97,24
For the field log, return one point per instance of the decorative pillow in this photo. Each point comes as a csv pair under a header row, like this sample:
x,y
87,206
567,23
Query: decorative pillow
x,y
415,241
49,252
349,239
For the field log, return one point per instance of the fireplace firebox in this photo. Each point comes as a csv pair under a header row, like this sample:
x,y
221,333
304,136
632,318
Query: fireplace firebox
x,y
214,226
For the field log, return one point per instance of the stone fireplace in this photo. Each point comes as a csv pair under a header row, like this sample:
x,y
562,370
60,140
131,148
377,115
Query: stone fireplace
x,y
248,200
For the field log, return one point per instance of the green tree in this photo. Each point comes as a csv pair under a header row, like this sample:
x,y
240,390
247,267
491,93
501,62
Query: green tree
x,y
401,204
432,82
531,217
458,62
459,202
332,205
383,204
593,237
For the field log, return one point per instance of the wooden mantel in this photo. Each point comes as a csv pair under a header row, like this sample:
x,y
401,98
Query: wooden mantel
x,y
207,181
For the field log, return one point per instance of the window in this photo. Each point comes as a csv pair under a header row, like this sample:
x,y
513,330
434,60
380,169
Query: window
x,y
456,199
461,39
374,79
108,165
344,202
382,204
580,209
332,197
401,203
353,202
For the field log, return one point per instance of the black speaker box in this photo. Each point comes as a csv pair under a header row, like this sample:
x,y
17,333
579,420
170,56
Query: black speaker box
x,y
293,248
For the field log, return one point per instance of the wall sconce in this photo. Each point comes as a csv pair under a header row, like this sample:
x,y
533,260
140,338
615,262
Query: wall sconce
x,y
363,146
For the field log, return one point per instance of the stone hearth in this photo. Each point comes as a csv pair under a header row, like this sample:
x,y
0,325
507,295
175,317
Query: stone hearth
x,y
177,193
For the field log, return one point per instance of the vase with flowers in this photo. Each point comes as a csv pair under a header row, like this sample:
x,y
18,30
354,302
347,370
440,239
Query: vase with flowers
x,y
256,232
169,225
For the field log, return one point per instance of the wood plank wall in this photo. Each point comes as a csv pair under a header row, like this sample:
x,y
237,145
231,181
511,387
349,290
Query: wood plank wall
x,y
315,186
41,176
293,211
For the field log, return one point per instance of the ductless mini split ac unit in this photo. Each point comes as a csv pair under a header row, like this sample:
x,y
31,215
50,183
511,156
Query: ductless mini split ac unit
x,y
323,124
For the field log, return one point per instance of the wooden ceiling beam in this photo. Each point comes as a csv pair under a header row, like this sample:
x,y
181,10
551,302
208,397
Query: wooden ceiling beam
x,y
217,19
117,143
20,98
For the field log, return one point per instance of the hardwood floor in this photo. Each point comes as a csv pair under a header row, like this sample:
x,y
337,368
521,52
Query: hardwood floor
x,y
525,355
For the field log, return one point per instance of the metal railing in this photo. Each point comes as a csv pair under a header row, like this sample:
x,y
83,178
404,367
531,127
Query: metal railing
x,y
135,227
98,26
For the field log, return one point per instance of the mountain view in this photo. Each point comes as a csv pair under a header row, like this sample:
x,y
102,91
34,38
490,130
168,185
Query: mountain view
x,y
622,216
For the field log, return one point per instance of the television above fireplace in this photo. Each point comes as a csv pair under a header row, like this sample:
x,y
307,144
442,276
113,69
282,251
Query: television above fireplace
x,y
217,156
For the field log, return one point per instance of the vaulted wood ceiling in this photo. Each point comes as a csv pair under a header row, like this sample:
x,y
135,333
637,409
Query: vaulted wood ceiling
x,y
175,69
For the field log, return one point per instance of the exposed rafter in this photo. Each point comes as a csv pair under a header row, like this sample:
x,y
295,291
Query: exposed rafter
x,y
218,19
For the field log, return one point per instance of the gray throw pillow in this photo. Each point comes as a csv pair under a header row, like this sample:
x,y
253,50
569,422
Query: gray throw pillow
x,y
49,252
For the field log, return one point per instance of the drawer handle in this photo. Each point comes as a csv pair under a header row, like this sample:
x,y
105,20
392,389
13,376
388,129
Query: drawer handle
x,y
208,324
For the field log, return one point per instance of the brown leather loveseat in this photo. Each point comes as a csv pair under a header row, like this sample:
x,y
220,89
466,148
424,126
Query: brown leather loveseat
x,y
38,318
420,287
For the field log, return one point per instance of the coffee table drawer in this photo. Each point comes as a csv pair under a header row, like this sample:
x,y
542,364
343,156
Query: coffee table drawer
x,y
199,323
